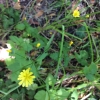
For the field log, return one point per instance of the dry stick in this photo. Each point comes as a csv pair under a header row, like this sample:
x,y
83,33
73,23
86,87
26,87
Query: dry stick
x,y
25,8
90,7
85,97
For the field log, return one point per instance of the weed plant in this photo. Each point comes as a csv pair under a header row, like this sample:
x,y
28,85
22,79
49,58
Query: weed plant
x,y
56,61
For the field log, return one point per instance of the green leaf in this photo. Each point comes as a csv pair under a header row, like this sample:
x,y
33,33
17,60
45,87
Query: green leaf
x,y
81,86
26,45
47,96
7,23
48,44
2,7
34,70
50,80
67,59
82,57
40,95
20,26
54,56
52,94
14,76
32,31
80,32
16,40
15,0
14,67
90,71
42,56
15,96
86,70
93,68
74,95
92,98
34,86
62,94
90,77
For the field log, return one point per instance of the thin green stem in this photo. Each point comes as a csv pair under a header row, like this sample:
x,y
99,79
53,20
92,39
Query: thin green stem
x,y
90,41
3,92
95,47
61,49
66,35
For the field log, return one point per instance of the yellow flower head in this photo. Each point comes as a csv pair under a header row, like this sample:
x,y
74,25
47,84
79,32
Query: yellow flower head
x,y
9,50
87,16
26,78
71,42
76,13
38,45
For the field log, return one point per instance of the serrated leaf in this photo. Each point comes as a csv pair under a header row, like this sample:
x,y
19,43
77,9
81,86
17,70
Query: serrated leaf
x,y
32,31
90,71
82,57
7,23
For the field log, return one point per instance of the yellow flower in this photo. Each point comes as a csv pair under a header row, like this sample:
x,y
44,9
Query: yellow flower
x,y
87,16
38,45
71,42
76,13
26,78
9,50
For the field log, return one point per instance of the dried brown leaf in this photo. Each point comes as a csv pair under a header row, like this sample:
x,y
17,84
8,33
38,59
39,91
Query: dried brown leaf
x,y
39,14
17,6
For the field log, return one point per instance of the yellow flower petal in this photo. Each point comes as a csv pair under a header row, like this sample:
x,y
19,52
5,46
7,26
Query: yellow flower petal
x,y
26,78
38,45
87,16
76,13
9,50
71,42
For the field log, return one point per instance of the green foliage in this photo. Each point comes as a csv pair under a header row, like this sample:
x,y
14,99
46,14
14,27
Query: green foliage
x,y
50,80
90,71
62,94
80,32
59,67
82,57
74,95
34,86
54,56
41,93
20,26
8,17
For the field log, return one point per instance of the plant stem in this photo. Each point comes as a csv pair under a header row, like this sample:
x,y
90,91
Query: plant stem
x,y
11,90
61,49
90,41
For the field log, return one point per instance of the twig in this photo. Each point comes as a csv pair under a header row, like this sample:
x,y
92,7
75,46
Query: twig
x,y
85,97
25,8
